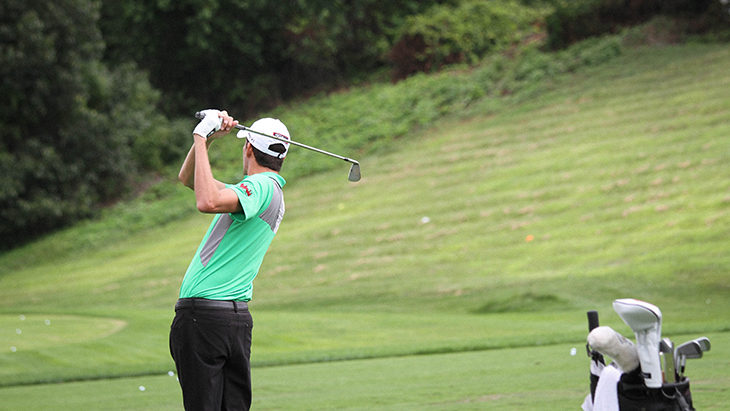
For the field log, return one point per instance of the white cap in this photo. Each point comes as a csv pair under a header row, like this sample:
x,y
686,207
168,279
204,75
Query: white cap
x,y
272,127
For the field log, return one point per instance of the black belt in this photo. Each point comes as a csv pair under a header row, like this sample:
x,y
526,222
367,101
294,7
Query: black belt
x,y
211,304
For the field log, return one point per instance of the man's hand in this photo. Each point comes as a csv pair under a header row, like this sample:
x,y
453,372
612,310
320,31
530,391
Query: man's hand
x,y
209,124
226,125
215,124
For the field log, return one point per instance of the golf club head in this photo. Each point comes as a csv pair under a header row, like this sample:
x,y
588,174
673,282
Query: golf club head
x,y
690,350
704,343
645,320
354,174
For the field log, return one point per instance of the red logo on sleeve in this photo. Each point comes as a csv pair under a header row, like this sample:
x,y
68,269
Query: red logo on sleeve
x,y
246,189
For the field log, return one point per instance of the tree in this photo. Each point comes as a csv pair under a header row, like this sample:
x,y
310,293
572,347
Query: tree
x,y
68,123
249,55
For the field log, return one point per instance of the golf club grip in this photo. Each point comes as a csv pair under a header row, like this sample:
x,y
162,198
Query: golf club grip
x,y
592,320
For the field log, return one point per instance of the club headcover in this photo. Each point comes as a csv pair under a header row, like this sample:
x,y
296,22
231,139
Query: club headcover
x,y
645,320
614,345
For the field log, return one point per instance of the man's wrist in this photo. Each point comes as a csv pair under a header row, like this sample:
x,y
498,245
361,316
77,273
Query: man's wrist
x,y
202,141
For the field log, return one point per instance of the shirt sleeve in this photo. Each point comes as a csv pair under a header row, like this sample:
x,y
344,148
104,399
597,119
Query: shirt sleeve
x,y
252,195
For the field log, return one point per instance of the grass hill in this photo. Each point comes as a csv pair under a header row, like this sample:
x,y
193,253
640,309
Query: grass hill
x,y
495,228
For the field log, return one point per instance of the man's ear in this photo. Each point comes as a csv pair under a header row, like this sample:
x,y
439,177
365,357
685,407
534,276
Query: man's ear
x,y
248,149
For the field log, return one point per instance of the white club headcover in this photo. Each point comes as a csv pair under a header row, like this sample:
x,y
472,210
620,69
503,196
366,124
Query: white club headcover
x,y
612,344
645,320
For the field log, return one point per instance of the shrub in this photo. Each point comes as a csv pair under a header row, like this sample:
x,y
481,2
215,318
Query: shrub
x,y
574,20
448,34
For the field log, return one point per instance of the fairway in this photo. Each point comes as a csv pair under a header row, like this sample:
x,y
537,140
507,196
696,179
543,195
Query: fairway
x,y
555,377
40,331
455,276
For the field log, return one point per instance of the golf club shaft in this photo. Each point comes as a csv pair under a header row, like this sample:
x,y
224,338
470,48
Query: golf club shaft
x,y
200,116
666,350
682,363
596,357
592,320
592,324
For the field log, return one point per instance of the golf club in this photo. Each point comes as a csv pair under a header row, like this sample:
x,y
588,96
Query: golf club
x,y
691,349
666,348
597,360
704,343
645,320
612,344
593,323
354,174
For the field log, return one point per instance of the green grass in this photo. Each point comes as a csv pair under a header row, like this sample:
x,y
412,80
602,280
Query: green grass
x,y
619,174
539,377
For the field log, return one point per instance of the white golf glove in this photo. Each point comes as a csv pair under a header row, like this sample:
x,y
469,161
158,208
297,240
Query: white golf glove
x,y
210,124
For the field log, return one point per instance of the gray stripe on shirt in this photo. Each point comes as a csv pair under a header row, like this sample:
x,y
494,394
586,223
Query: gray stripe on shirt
x,y
215,238
275,211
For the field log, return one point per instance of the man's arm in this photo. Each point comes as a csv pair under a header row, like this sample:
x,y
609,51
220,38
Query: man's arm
x,y
211,195
187,171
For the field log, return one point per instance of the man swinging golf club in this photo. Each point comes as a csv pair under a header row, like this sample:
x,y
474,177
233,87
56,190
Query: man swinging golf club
x,y
210,337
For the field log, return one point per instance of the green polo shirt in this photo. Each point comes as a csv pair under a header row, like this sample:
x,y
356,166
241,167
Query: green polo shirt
x,y
231,253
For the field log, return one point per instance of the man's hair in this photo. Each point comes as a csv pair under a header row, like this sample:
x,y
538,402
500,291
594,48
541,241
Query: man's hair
x,y
265,160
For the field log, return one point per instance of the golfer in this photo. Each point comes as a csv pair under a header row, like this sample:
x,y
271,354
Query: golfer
x,y
210,337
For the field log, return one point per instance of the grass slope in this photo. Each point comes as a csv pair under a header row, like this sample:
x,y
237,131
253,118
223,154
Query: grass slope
x,y
618,178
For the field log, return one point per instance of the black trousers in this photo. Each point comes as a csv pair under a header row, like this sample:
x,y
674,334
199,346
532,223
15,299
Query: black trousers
x,y
212,349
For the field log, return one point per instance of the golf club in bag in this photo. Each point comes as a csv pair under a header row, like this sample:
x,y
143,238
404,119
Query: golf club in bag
x,y
354,174
658,382
597,361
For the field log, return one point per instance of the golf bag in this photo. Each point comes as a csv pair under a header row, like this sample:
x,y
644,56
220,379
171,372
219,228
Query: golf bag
x,y
634,395
612,389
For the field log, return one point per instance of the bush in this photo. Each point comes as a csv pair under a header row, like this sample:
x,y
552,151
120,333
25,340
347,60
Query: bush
x,y
447,34
574,20
162,144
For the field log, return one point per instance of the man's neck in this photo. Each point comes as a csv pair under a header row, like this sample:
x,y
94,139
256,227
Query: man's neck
x,y
256,169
